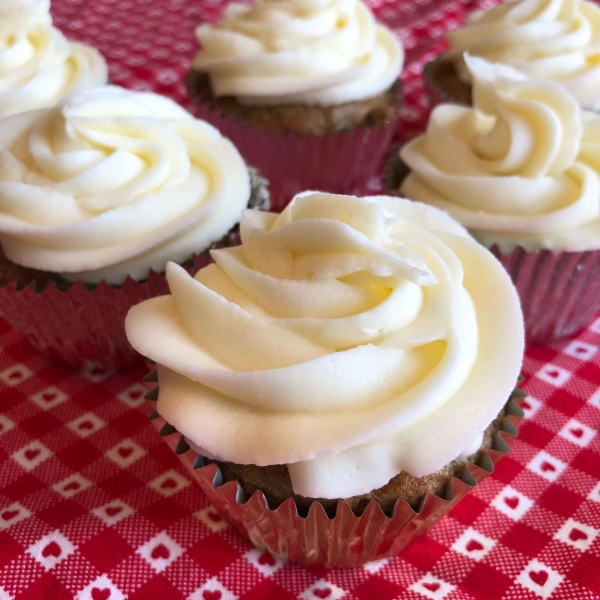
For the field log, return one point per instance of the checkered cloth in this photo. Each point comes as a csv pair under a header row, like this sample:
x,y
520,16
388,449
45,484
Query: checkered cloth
x,y
93,505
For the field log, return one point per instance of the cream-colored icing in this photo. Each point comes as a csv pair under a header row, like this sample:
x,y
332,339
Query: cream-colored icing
x,y
348,338
319,52
37,64
112,182
522,167
557,40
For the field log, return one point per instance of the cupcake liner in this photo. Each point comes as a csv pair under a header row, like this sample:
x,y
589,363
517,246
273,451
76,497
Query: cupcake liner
x,y
82,325
559,291
346,540
340,163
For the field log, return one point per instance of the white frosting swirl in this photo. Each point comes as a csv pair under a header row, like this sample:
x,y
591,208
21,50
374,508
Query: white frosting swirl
x,y
522,167
111,183
319,52
557,40
348,338
37,64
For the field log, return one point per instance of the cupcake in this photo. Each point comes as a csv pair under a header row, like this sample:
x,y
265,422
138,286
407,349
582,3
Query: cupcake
x,y
558,41
340,370
38,65
520,170
308,91
96,195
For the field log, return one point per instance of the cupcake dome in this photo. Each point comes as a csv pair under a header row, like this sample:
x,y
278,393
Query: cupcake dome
x,y
349,339
112,183
522,167
98,194
320,52
558,40
307,91
38,65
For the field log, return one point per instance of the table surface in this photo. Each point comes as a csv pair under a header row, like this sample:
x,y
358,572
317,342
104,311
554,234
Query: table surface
x,y
94,505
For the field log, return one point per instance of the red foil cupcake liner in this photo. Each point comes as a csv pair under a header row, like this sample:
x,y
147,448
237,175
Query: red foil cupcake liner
x,y
83,326
559,291
318,540
342,163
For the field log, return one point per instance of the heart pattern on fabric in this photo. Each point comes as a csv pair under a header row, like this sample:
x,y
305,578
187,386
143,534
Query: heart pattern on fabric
x,y
539,577
161,551
125,452
473,546
52,549
576,535
432,586
32,453
214,517
100,594
7,515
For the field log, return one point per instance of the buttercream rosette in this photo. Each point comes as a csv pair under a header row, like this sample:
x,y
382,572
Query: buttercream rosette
x,y
556,40
268,62
349,339
38,65
96,195
521,170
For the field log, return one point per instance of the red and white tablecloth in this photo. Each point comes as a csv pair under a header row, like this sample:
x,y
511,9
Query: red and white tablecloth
x,y
93,504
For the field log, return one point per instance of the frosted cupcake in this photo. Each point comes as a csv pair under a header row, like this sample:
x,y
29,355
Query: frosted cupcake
x,y
97,194
520,170
38,65
308,91
347,360
557,40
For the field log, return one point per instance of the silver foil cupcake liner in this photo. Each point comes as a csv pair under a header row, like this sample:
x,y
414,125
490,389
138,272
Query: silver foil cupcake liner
x,y
317,540
340,163
559,291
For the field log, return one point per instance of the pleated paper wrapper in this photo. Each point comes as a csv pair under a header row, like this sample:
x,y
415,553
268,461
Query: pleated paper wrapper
x,y
83,326
318,540
341,163
559,291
